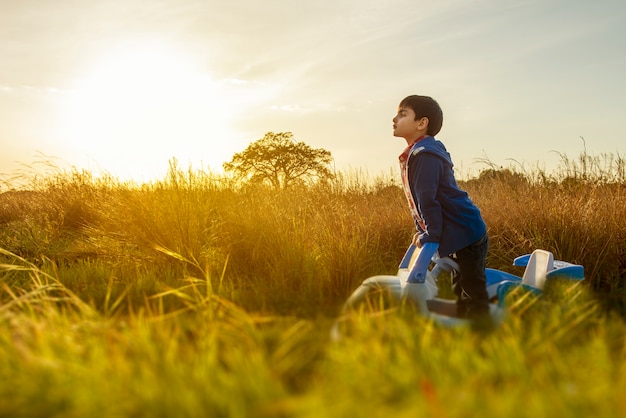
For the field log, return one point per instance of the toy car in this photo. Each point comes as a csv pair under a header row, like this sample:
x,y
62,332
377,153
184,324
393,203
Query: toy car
x,y
540,267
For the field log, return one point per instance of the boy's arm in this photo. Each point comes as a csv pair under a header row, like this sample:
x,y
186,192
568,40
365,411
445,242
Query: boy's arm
x,y
425,171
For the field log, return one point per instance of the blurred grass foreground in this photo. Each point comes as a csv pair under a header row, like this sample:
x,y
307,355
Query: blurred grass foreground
x,y
198,296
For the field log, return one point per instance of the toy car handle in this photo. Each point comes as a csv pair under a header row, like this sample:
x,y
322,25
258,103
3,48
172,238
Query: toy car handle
x,y
441,263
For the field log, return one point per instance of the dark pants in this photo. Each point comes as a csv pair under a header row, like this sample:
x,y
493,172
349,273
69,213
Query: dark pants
x,y
470,283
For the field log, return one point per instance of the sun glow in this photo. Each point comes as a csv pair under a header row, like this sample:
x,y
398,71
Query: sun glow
x,y
144,104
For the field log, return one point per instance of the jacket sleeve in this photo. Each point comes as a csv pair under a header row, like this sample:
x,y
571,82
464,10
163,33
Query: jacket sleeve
x,y
425,171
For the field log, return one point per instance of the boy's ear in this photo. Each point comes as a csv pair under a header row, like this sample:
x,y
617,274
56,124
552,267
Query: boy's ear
x,y
423,123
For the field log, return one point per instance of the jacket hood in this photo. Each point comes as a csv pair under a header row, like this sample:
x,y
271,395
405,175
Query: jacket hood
x,y
432,146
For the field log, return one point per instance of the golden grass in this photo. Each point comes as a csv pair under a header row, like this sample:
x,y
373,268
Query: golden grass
x,y
194,296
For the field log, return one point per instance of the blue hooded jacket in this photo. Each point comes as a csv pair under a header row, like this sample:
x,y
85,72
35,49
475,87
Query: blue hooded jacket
x,y
449,216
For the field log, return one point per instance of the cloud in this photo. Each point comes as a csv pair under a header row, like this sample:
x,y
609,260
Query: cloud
x,y
333,71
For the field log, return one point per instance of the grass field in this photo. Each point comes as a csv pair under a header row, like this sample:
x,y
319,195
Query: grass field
x,y
194,296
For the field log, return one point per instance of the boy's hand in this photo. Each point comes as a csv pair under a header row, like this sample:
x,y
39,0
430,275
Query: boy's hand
x,y
416,240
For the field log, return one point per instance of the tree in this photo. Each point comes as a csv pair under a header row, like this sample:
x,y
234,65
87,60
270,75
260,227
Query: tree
x,y
279,159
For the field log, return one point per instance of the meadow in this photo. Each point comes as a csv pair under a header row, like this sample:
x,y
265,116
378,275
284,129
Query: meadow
x,y
195,296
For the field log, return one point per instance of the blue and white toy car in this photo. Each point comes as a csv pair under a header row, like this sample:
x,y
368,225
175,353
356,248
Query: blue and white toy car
x,y
540,267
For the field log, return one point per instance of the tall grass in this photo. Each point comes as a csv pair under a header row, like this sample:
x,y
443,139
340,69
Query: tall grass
x,y
554,356
194,296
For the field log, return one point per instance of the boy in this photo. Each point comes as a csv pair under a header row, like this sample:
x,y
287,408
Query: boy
x,y
446,219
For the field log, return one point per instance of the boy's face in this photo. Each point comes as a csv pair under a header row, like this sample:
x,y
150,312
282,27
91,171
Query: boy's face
x,y
405,126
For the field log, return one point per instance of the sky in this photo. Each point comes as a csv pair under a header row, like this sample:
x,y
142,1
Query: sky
x,y
124,86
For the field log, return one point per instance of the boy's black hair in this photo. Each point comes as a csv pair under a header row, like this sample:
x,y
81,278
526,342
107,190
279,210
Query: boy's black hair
x,y
425,107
